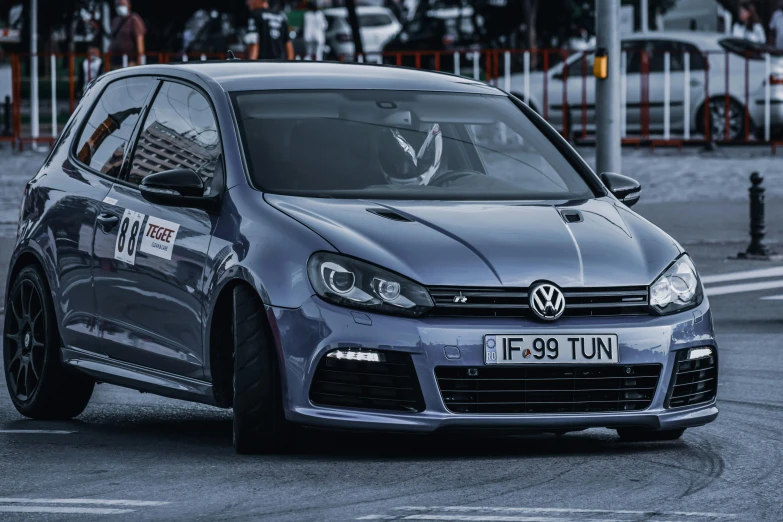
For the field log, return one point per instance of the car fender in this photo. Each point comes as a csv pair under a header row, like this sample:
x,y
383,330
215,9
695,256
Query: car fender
x,y
256,244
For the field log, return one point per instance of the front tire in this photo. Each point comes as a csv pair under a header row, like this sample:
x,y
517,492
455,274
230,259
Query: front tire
x,y
259,421
41,387
648,435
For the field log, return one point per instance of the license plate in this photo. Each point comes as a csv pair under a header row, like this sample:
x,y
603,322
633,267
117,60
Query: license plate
x,y
552,349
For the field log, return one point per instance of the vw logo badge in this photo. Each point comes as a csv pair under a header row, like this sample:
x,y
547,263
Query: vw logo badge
x,y
547,301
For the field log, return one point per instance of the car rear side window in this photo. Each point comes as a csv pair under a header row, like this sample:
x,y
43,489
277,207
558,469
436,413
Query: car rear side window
x,y
104,138
374,20
180,132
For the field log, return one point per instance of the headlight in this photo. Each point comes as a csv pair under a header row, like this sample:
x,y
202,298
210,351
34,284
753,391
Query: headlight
x,y
356,284
677,289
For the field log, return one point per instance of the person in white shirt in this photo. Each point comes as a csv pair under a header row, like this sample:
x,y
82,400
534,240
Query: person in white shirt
x,y
91,68
314,32
776,26
749,25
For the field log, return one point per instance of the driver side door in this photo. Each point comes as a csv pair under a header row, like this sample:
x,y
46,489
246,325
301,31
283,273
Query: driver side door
x,y
149,289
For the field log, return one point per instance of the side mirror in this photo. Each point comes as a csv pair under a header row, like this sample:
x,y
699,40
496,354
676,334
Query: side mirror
x,y
176,188
626,189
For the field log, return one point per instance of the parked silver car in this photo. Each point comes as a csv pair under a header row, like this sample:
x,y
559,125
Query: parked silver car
x,y
377,25
726,59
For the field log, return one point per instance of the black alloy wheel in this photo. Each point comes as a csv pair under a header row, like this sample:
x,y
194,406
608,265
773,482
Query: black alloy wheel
x,y
25,332
40,386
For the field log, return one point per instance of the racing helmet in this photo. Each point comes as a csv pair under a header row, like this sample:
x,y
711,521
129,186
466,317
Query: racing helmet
x,y
409,154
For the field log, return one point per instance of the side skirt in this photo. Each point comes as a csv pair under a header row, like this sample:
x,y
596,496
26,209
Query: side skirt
x,y
140,378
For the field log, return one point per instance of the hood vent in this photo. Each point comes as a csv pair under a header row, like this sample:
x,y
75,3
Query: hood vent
x,y
571,216
389,214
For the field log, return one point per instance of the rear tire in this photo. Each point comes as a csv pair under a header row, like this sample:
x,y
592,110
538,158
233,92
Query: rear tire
x,y
40,386
259,421
648,435
718,120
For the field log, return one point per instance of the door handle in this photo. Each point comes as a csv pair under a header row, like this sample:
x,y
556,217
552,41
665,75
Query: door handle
x,y
696,83
108,222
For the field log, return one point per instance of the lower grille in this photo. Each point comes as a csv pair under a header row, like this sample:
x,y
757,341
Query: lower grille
x,y
388,385
693,381
548,388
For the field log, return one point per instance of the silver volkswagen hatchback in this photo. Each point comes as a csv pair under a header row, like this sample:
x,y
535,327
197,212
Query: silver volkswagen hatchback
x,y
347,246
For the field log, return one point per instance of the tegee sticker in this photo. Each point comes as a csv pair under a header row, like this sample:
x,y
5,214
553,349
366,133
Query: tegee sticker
x,y
159,237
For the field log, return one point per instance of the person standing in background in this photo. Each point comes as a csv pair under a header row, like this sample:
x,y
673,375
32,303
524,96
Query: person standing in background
x,y
314,32
749,25
91,68
267,37
776,26
127,35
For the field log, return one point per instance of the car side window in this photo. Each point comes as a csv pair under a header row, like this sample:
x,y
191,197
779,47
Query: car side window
x,y
180,132
697,58
582,66
633,50
104,138
656,53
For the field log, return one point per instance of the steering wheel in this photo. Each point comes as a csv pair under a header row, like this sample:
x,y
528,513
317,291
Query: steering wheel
x,y
443,178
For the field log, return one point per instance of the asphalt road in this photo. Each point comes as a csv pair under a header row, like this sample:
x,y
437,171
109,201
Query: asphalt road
x,y
139,457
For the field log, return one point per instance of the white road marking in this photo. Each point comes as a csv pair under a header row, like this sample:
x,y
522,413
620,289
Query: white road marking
x,y
743,287
772,298
88,501
33,432
746,274
63,510
565,511
505,518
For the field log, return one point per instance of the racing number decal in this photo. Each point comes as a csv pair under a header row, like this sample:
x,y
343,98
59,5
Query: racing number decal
x,y
128,236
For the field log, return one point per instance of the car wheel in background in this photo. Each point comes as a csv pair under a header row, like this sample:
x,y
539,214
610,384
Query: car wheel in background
x,y
41,387
259,421
736,119
645,434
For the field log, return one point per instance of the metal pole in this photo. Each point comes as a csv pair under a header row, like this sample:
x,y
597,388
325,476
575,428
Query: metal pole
x,y
667,85
106,22
608,139
34,67
767,96
53,60
686,103
624,94
507,71
526,76
645,11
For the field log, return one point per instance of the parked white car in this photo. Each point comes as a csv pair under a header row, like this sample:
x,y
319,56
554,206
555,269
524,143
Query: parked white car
x,y
721,51
377,25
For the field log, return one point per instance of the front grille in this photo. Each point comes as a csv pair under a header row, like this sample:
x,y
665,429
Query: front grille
x,y
388,385
548,388
693,381
513,302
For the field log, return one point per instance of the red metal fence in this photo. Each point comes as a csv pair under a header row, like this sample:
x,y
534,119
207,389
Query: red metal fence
x,y
666,99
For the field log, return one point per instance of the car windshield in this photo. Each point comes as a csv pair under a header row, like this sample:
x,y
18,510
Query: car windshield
x,y
401,145
753,50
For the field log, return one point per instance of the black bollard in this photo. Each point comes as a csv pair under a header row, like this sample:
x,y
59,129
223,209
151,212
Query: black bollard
x,y
7,117
757,248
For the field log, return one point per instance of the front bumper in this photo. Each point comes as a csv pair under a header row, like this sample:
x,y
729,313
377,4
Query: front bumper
x,y
306,334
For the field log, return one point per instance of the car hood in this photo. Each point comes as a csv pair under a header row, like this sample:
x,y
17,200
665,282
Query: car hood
x,y
492,243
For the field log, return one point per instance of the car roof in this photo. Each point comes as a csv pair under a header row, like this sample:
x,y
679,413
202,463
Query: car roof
x,y
243,75
703,40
